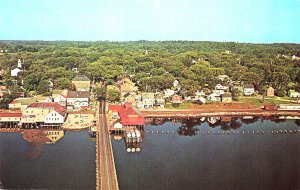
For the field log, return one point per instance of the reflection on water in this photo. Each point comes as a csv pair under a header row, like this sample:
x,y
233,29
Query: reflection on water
x,y
46,158
38,137
191,127
212,153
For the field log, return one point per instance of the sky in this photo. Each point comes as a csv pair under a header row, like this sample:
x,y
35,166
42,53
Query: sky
x,y
253,21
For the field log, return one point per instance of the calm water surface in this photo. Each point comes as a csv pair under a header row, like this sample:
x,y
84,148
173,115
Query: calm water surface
x,y
211,161
67,164
207,153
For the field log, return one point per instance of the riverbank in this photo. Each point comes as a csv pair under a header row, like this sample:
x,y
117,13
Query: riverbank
x,y
150,113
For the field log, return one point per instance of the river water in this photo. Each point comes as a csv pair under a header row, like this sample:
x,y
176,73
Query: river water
x,y
189,159
207,153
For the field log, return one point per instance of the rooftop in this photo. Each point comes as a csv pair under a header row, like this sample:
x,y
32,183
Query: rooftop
x,y
248,86
11,114
81,78
127,114
48,105
78,94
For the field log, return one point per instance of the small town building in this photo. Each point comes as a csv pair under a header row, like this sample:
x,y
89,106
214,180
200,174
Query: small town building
x,y
61,100
221,87
214,97
10,116
125,86
148,100
21,103
77,100
44,112
294,94
129,97
289,107
176,99
248,89
226,98
79,120
128,116
270,107
200,93
168,93
269,92
160,101
82,83
16,71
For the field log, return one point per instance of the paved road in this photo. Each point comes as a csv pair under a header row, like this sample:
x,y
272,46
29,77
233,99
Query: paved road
x,y
106,176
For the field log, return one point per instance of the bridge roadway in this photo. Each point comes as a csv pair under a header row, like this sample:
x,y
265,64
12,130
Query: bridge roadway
x,y
105,166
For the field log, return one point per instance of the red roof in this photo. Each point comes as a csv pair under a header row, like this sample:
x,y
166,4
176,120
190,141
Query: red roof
x,y
14,102
11,114
48,105
127,114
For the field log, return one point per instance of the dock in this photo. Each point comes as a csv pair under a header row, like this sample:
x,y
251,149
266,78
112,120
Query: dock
x,y
106,177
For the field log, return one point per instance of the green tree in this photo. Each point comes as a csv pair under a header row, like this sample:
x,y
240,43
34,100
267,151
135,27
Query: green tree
x,y
113,95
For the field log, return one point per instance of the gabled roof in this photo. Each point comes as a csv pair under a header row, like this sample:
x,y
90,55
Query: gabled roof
x,y
12,114
248,86
48,105
78,94
148,95
81,78
127,114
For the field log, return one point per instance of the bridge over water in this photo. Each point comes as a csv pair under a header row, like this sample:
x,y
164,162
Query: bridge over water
x,y
106,178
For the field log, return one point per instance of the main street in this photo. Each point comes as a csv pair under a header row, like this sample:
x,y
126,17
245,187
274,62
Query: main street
x,y
106,173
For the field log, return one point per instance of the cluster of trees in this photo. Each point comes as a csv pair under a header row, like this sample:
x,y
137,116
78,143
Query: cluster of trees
x,y
153,66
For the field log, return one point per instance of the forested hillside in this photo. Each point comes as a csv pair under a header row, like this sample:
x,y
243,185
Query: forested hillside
x,y
153,65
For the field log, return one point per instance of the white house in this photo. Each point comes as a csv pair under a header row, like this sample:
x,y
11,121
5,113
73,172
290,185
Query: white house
x,y
221,87
61,100
148,100
200,93
248,89
294,94
214,97
218,92
54,117
77,99
168,93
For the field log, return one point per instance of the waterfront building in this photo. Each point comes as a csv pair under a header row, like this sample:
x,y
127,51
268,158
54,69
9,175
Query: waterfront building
x,y
79,120
269,92
10,116
128,116
289,107
77,100
47,112
82,83
248,89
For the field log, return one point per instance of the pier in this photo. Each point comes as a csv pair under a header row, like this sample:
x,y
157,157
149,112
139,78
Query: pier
x,y
106,177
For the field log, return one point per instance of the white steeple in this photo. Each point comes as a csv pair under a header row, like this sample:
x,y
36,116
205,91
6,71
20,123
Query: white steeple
x,y
20,63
